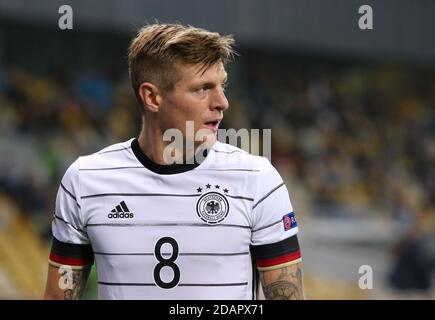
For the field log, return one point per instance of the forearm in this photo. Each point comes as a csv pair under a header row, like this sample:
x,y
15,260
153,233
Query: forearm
x,y
64,283
283,284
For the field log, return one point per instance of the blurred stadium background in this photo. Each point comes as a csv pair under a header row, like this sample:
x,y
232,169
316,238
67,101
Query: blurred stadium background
x,y
352,114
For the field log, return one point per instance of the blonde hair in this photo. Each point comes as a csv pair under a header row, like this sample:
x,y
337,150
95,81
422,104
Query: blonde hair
x,y
157,48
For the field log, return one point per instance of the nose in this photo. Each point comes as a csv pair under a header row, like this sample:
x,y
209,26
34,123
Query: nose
x,y
219,100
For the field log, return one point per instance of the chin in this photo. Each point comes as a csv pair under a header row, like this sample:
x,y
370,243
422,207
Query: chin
x,y
206,140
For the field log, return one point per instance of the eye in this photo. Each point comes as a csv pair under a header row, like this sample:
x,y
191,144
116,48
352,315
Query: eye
x,y
224,85
202,91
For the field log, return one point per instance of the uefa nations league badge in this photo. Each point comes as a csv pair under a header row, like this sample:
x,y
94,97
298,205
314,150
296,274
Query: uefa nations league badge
x,y
212,207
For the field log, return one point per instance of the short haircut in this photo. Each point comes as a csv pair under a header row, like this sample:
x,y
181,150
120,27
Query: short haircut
x,y
157,48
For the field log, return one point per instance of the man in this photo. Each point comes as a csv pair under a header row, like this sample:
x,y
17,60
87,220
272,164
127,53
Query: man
x,y
175,231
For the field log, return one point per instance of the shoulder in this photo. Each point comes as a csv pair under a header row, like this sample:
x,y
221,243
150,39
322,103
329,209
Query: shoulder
x,y
228,155
115,155
258,170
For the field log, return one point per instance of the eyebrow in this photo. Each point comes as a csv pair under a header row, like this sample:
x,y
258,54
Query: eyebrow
x,y
208,83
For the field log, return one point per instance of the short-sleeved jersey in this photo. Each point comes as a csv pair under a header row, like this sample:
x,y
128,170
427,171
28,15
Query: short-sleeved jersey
x,y
174,232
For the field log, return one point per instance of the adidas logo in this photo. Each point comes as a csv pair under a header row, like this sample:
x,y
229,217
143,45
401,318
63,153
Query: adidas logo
x,y
120,211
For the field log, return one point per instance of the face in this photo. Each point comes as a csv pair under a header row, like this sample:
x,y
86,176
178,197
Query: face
x,y
199,97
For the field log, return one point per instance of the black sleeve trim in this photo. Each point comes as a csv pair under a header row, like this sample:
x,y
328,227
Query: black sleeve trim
x,y
71,250
272,250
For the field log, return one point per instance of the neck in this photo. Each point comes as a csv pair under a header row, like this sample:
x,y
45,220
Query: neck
x,y
151,142
152,145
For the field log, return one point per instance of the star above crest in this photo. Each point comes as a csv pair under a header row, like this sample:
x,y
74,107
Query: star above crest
x,y
208,186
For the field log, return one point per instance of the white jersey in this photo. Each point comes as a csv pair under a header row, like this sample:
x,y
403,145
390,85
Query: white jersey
x,y
174,232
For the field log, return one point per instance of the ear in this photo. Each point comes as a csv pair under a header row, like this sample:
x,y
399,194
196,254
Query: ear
x,y
150,96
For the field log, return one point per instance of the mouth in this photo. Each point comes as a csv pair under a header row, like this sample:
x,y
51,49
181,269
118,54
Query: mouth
x,y
213,125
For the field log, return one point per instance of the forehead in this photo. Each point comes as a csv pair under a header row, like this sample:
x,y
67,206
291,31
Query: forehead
x,y
195,74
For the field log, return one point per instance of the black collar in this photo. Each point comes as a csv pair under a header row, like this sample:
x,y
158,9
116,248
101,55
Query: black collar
x,y
158,168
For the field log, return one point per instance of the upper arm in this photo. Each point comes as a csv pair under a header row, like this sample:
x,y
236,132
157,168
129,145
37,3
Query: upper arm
x,y
68,270
274,240
284,283
65,282
71,253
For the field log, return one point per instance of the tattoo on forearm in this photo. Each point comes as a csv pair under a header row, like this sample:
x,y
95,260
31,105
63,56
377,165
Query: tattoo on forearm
x,y
79,278
285,285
